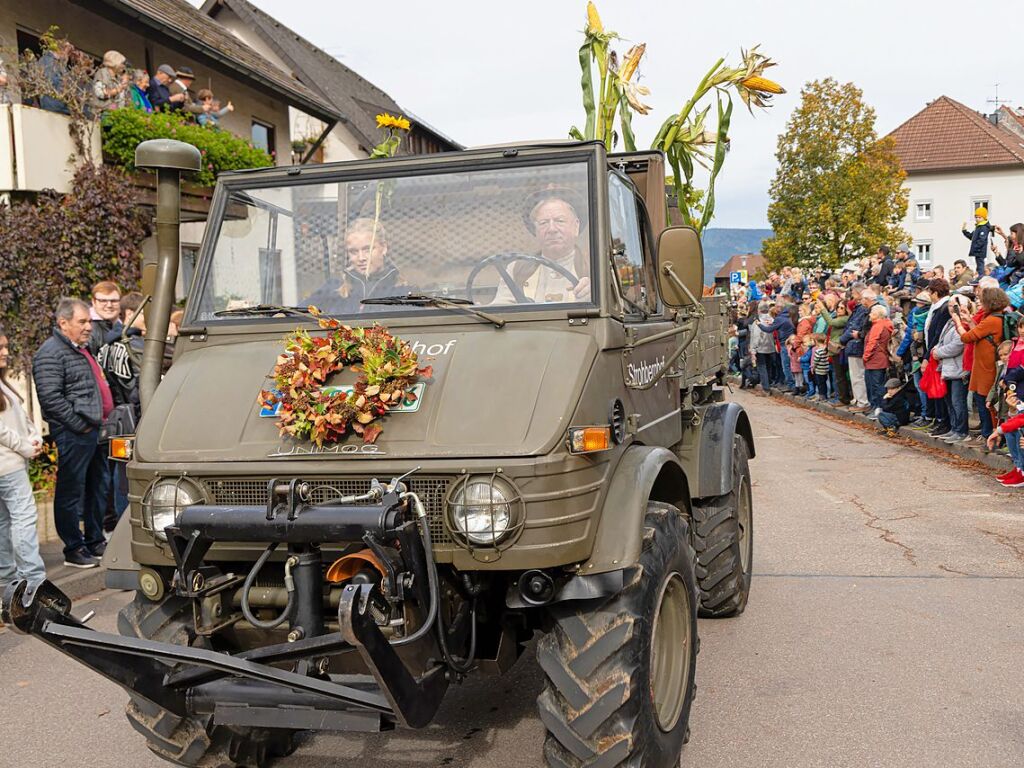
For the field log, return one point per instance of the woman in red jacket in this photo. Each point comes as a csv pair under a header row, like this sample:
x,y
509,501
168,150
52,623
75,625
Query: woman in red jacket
x,y
876,355
986,337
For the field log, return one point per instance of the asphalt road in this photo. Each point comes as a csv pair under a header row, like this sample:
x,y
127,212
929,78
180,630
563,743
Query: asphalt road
x,y
884,629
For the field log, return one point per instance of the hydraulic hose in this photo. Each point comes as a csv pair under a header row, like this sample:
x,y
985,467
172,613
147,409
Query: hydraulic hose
x,y
247,585
460,666
432,579
434,615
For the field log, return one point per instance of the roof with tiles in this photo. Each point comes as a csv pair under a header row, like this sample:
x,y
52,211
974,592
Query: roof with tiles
x,y
947,135
356,98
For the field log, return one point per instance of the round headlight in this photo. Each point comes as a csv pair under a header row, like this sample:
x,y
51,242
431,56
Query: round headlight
x,y
481,510
166,499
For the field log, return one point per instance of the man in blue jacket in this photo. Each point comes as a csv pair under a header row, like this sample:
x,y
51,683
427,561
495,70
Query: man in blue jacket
x,y
75,399
160,95
853,339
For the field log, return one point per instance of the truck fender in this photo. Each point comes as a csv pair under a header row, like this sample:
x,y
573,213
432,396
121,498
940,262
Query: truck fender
x,y
122,570
644,473
721,422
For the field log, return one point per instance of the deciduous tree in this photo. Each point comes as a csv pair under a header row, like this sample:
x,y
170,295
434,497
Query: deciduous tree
x,y
837,193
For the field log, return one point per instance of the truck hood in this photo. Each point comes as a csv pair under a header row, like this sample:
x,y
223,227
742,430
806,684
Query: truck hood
x,y
494,392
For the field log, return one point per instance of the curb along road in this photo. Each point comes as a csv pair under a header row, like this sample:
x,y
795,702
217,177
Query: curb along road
x,y
996,461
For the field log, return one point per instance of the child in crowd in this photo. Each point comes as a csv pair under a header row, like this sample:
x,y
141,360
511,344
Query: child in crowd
x,y
895,411
995,401
1010,430
212,113
819,365
796,350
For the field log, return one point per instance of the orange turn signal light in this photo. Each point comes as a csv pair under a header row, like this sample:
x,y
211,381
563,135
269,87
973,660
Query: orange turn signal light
x,y
122,448
589,439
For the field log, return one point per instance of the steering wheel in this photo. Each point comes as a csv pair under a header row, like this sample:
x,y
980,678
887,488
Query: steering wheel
x,y
500,262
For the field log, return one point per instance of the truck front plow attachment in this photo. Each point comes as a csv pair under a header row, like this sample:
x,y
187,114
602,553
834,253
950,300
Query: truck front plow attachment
x,y
240,690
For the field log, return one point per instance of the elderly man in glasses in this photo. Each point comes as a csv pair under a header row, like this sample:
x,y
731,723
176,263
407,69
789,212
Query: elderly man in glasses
x,y
105,312
553,217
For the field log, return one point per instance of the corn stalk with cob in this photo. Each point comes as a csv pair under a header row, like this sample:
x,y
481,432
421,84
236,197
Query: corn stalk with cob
x,y
684,136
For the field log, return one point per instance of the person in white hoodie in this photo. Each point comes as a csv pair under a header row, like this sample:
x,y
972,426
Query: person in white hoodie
x,y
19,442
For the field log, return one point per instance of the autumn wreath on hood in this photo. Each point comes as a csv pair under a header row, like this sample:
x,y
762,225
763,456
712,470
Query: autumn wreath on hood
x,y
307,410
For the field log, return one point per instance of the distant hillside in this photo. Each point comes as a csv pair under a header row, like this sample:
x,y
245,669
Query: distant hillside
x,y
720,244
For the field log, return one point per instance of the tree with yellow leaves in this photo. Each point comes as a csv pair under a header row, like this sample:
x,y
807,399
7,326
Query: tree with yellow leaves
x,y
838,192
686,137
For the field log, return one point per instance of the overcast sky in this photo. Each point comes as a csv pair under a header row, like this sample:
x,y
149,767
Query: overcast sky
x,y
488,72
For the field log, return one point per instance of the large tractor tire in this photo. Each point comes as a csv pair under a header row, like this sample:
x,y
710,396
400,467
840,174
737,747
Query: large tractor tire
x,y
620,670
192,741
723,536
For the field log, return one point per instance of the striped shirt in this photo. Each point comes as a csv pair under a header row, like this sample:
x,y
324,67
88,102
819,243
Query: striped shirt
x,y
819,362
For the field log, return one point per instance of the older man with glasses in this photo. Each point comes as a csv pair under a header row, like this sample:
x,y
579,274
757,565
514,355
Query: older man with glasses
x,y
105,312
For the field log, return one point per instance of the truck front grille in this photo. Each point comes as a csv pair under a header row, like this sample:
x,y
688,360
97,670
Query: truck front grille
x,y
431,490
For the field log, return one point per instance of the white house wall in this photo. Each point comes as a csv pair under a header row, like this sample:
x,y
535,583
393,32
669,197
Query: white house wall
x,y
953,196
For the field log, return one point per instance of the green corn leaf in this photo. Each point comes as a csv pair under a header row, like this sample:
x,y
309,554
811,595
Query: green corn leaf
x,y
626,121
587,82
662,132
721,146
677,183
574,133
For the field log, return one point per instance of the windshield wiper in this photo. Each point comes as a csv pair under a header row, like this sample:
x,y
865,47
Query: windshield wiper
x,y
262,309
441,302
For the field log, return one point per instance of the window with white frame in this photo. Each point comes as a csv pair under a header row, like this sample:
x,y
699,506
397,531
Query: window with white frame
x,y
923,210
923,249
979,202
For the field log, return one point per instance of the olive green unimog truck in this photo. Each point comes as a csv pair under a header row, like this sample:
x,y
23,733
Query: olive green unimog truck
x,y
570,471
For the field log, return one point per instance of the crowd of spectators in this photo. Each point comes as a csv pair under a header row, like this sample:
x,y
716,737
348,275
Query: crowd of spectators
x,y
117,84
86,377
903,346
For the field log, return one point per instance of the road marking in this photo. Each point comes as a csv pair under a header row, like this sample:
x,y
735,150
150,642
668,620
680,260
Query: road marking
x,y
769,437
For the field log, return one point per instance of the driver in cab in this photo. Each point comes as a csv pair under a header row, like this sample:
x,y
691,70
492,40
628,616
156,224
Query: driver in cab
x,y
369,272
553,220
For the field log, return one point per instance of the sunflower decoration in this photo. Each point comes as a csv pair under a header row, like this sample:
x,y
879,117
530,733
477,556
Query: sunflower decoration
x,y
386,121
395,127
754,88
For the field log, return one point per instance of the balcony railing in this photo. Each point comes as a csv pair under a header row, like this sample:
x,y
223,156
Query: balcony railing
x,y
36,150
37,153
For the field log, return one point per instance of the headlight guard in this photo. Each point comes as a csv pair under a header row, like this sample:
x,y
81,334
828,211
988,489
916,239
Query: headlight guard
x,y
164,500
484,511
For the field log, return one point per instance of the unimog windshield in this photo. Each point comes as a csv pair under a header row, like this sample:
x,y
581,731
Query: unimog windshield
x,y
511,237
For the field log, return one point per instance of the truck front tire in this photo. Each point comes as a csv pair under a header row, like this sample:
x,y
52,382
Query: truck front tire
x,y
619,671
723,535
191,741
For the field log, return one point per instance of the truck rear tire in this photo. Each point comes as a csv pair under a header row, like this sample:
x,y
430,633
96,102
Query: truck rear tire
x,y
723,535
619,671
191,741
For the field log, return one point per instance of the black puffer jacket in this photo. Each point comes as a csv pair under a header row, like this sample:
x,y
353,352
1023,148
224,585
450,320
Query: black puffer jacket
x,y
343,297
67,389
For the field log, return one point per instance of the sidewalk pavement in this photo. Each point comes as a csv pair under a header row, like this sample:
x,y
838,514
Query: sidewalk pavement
x,y
996,460
73,582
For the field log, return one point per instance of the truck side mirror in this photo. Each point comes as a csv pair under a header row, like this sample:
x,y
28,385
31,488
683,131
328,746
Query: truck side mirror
x,y
680,267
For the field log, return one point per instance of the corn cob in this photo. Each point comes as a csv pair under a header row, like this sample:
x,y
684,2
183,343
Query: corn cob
x,y
761,85
594,25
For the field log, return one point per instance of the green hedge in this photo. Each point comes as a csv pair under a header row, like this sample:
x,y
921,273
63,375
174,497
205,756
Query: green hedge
x,y
124,129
